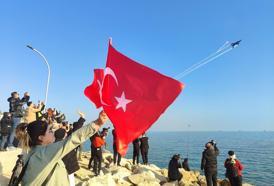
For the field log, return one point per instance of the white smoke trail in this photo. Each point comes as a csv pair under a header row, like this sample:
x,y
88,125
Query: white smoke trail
x,y
222,48
202,64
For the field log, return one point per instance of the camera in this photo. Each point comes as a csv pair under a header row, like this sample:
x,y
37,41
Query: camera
x,y
213,142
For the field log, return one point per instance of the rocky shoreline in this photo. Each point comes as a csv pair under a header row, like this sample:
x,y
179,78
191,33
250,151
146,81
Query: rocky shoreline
x,y
125,175
142,175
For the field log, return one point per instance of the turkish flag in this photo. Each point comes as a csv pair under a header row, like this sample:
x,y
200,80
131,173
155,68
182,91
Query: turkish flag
x,y
134,96
93,90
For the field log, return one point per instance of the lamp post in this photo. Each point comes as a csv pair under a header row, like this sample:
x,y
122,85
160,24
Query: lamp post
x,y
45,60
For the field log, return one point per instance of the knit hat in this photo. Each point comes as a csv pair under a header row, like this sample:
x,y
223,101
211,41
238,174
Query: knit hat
x,y
231,153
59,134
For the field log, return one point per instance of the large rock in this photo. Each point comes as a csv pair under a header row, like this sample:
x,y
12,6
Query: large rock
x,y
164,172
153,169
123,183
173,183
149,183
120,176
105,180
202,180
147,176
189,176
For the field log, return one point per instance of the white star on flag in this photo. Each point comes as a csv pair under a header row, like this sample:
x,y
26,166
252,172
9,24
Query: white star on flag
x,y
122,102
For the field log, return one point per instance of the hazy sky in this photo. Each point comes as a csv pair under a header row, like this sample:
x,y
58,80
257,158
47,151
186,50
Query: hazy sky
x,y
236,92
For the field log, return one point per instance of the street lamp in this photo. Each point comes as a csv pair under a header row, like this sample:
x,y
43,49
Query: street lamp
x,y
45,60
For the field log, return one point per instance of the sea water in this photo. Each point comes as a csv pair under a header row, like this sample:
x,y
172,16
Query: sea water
x,y
255,150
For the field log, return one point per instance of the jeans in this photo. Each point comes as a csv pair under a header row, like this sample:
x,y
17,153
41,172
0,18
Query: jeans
x,y
16,122
3,142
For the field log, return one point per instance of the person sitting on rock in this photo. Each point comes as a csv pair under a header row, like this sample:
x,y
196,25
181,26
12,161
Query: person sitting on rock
x,y
144,148
233,169
136,150
173,168
185,164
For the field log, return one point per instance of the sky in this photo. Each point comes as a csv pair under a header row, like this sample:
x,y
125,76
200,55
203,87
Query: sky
x,y
233,93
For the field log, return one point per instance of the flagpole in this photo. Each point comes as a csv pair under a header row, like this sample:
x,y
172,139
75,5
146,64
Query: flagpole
x,y
45,60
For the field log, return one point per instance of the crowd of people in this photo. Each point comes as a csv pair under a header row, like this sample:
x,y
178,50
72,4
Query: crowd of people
x,y
50,146
209,166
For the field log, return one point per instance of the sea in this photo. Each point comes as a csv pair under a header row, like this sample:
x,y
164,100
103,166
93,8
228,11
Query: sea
x,y
255,150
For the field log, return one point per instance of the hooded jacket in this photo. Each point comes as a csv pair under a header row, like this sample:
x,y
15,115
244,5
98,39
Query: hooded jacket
x,y
173,169
209,159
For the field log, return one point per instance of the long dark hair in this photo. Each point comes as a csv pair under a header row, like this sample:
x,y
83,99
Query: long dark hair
x,y
28,134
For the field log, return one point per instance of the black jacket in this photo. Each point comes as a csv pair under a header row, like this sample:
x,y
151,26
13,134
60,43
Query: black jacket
x,y
6,125
16,106
136,145
185,166
77,125
12,102
173,169
71,162
209,159
144,144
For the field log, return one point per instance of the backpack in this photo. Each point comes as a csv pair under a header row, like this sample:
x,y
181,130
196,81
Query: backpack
x,y
17,172
20,169
231,170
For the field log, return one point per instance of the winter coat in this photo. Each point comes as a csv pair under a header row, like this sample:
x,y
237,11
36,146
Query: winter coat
x,y
44,158
185,166
209,159
18,107
136,145
144,144
238,166
12,102
70,160
30,113
173,169
98,142
6,125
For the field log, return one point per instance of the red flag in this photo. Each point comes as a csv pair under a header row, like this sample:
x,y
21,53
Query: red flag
x,y
93,90
134,96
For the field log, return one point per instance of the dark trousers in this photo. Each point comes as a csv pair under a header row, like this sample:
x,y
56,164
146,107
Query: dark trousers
x,y
115,155
91,157
135,156
236,181
98,157
3,142
211,177
144,153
